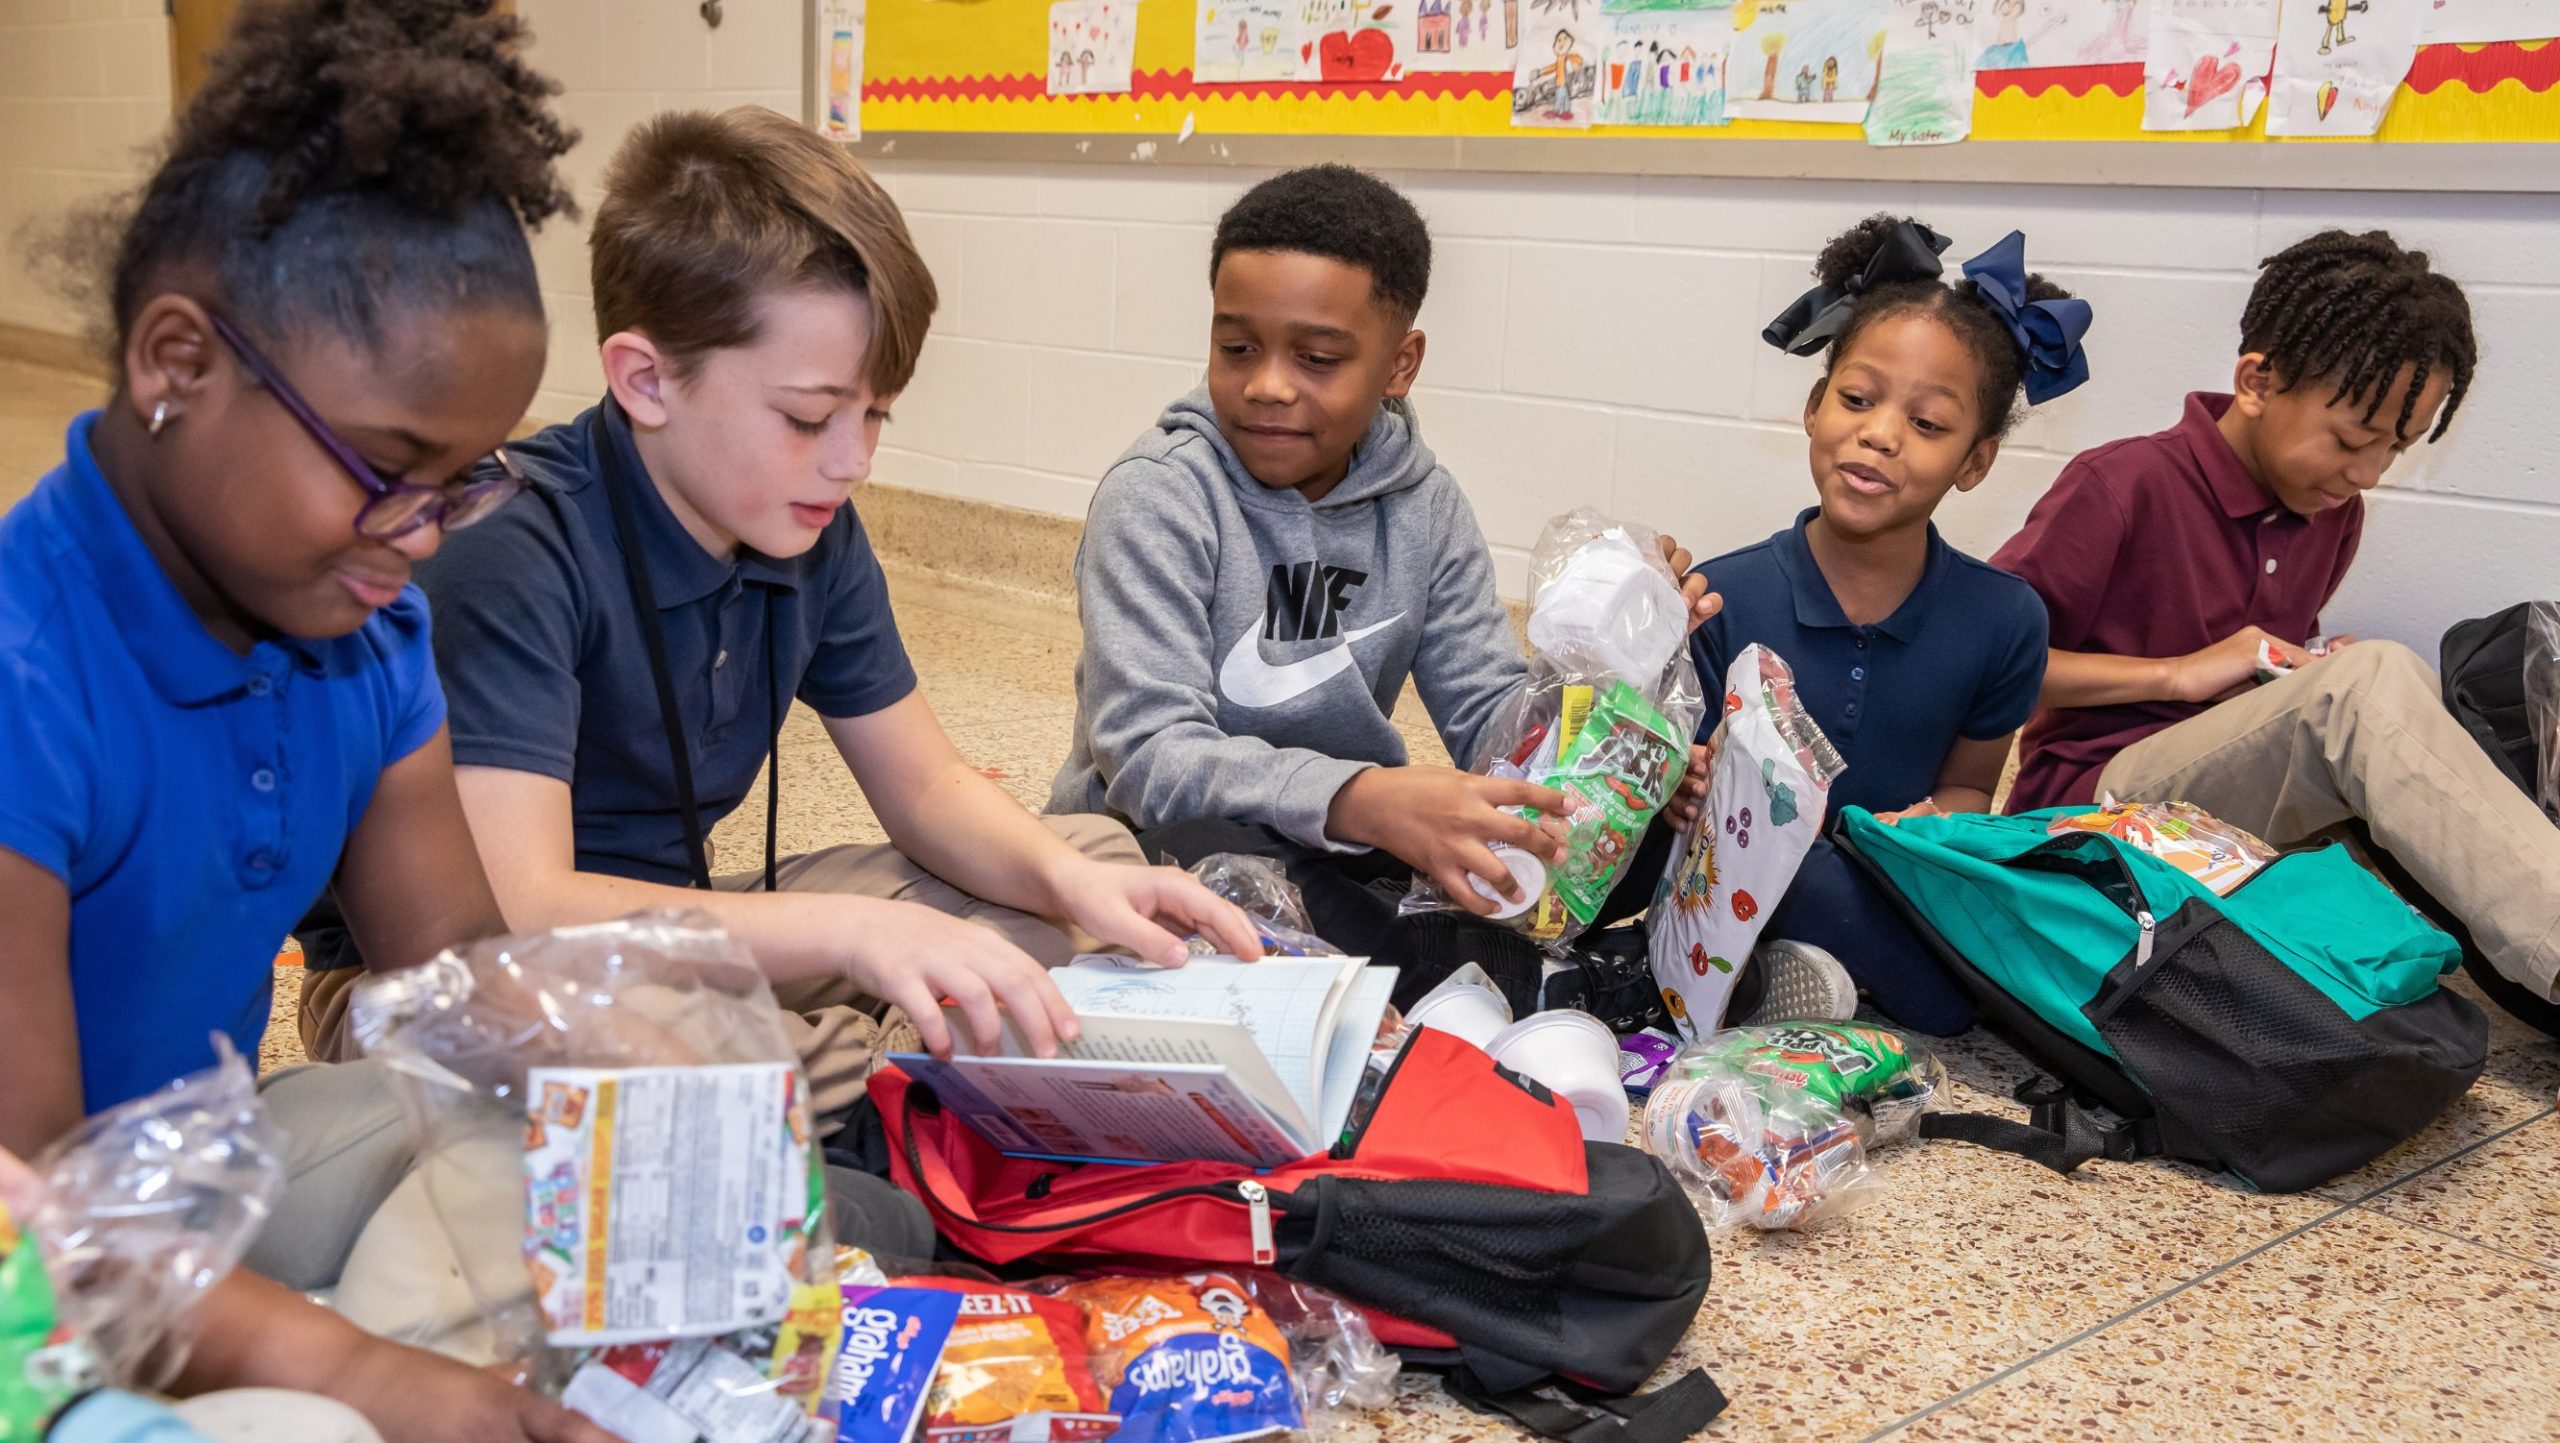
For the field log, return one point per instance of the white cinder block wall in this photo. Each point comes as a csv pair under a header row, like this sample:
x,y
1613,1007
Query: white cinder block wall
x,y
84,96
1593,339
1596,340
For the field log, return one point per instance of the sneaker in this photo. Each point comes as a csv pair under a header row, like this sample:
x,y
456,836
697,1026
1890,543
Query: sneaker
x,y
1801,983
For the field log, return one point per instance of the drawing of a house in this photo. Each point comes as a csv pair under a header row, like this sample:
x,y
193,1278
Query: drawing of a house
x,y
1431,27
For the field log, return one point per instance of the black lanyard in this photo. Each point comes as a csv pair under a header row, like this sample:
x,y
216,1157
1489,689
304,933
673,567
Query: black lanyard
x,y
644,599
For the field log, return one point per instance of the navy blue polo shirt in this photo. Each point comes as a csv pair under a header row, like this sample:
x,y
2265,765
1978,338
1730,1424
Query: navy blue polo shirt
x,y
1963,656
192,800
548,668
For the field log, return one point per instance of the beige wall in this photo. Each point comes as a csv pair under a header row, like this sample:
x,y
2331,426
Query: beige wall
x,y
84,95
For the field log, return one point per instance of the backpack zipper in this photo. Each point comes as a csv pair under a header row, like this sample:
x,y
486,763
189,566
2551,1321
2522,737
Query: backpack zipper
x,y
2142,946
1258,1198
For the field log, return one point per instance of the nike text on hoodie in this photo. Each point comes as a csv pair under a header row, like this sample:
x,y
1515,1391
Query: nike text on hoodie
x,y
1243,647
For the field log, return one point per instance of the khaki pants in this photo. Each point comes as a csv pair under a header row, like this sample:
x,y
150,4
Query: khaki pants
x,y
841,1034
2364,733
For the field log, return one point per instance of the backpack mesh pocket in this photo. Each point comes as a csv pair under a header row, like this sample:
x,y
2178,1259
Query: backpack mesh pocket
x,y
2255,1070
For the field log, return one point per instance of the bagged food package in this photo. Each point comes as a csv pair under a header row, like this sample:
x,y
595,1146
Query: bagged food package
x,y
2272,667
1770,1127
2542,696
1270,901
1015,1369
1224,1356
615,1135
117,1228
894,1339
2217,854
1606,718
1769,776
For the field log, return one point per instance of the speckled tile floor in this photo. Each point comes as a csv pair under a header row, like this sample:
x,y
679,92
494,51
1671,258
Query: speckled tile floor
x,y
1978,1297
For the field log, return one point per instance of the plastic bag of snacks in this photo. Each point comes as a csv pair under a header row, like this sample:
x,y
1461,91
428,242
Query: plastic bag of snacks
x,y
2217,854
1606,717
1214,1356
2542,696
1770,1127
615,1134
1269,899
116,1229
1015,1368
1769,776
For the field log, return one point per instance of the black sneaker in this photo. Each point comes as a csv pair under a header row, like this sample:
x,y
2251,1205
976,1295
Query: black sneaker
x,y
1608,975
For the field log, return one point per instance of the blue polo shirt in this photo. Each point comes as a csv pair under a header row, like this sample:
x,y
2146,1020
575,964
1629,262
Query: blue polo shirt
x,y
192,800
548,666
1963,656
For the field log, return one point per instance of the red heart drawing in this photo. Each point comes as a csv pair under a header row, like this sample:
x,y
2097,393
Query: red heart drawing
x,y
2209,81
1336,56
1307,52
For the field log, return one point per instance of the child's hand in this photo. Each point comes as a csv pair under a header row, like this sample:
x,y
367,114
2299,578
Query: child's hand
x,y
911,955
1444,824
1703,604
413,1396
1682,809
1122,905
2228,667
1925,807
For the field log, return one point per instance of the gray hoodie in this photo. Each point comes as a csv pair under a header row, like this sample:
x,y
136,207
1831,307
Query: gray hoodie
x,y
1243,648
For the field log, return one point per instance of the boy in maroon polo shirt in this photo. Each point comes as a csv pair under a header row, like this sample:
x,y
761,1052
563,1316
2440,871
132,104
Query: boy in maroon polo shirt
x,y
2167,562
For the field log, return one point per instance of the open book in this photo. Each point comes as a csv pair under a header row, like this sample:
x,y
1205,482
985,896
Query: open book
x,y
1248,1062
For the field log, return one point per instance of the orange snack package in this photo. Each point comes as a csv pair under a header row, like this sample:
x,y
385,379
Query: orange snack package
x,y
1192,1359
1015,1371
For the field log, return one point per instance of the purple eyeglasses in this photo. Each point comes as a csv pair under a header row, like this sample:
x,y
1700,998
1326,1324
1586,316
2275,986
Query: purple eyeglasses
x,y
397,508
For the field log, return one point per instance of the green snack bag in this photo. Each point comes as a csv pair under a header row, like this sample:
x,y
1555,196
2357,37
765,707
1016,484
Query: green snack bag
x,y
1623,764
1846,1067
33,1384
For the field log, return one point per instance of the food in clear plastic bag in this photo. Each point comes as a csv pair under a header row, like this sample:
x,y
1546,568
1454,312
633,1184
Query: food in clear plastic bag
x,y
1769,771
1605,717
2542,696
1016,1369
615,1134
1270,901
1770,1127
2217,854
117,1228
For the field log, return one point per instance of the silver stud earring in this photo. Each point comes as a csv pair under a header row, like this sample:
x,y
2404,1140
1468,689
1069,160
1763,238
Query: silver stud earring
x,y
159,417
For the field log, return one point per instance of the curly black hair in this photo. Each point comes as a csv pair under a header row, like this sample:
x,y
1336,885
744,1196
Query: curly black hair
x,y
1340,213
1999,366
348,161
2357,310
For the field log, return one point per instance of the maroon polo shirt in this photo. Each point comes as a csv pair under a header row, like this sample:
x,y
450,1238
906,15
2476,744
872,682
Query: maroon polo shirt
x,y
2159,546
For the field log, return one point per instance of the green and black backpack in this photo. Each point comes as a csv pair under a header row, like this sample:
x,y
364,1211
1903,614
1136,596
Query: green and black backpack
x,y
2286,1033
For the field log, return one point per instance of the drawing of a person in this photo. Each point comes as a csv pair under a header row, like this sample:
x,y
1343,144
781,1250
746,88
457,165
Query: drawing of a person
x,y
1804,85
2006,51
2337,16
1084,66
1244,41
1830,78
1688,59
1066,69
2116,43
1662,69
1568,60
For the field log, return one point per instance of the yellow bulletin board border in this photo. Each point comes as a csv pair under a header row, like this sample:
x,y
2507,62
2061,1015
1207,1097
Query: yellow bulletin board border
x,y
951,68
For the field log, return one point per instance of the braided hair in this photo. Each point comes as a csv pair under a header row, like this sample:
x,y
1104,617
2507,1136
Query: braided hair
x,y
2355,311
1999,367
348,162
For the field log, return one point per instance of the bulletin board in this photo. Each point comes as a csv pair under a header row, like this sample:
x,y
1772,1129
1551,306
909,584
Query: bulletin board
x,y
947,68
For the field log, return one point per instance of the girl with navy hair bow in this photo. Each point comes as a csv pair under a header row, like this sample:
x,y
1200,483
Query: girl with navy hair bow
x,y
1919,662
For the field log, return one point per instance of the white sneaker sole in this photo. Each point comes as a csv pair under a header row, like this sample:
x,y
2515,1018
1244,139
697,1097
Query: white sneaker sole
x,y
1803,984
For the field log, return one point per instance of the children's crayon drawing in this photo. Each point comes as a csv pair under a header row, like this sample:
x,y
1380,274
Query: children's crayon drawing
x,y
1091,43
2208,63
2477,22
835,54
1665,67
2037,34
1241,41
1816,60
1555,83
1469,35
1354,40
1925,96
2338,63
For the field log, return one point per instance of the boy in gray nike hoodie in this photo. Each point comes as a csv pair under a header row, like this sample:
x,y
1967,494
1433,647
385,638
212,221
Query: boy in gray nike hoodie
x,y
1266,566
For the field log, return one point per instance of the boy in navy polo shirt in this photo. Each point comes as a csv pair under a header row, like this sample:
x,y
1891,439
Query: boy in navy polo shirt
x,y
1918,662
215,683
2169,561
621,645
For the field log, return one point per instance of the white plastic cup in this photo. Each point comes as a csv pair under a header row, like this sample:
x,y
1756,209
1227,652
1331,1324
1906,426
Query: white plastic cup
x,y
1526,870
1576,1056
1463,1009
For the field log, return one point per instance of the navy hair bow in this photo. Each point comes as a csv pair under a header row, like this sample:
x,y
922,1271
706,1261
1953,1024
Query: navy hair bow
x,y
1910,253
2047,332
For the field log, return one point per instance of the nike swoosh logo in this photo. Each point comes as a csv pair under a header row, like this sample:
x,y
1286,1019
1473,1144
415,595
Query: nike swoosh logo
x,y
1250,681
